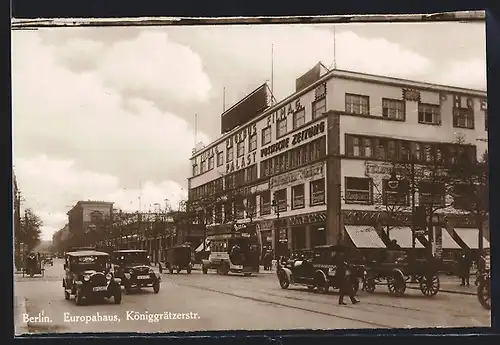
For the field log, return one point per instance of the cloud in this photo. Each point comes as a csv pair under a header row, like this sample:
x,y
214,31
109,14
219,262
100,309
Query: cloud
x,y
55,185
469,73
66,114
149,63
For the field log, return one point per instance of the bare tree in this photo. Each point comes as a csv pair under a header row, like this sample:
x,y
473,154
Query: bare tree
x,y
31,225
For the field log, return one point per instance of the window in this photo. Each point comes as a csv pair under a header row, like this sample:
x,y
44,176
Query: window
x,y
229,181
318,108
358,190
240,148
357,104
203,166
250,173
218,213
266,135
463,118
429,114
299,118
355,147
280,197
209,216
367,150
382,149
393,109
211,161
239,208
428,153
229,155
228,212
265,203
195,169
485,120
252,142
431,193
395,195
281,128
220,158
298,196
317,192
391,150
251,208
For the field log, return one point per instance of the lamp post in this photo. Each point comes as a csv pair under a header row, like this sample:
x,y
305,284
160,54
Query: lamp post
x,y
392,185
276,208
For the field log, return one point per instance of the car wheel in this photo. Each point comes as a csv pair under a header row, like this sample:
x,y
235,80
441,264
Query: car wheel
x,y
189,270
170,269
247,274
66,295
321,284
117,298
128,288
78,297
283,279
204,269
178,270
156,286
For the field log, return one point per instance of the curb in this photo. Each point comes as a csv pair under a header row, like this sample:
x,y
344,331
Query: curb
x,y
450,291
20,328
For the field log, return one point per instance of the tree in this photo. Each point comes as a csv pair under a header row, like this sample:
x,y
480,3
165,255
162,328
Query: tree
x,y
471,191
31,226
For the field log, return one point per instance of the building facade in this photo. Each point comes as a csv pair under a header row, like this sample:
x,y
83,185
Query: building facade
x,y
324,155
86,214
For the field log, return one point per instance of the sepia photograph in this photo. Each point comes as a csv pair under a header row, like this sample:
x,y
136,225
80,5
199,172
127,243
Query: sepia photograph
x,y
287,176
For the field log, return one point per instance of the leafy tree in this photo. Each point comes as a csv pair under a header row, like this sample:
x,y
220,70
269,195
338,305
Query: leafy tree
x,y
31,225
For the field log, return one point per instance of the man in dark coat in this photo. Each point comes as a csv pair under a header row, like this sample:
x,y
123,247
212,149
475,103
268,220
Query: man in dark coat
x,y
343,278
464,266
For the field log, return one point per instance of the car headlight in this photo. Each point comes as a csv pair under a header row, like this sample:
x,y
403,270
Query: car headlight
x,y
127,275
331,271
151,271
131,271
109,276
86,278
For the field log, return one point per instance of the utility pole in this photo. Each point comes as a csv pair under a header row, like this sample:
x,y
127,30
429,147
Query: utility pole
x,y
275,205
412,177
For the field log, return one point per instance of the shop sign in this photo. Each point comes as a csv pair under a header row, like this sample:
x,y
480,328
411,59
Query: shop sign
x,y
246,191
241,135
265,225
210,152
283,235
309,173
356,217
284,111
378,168
294,139
305,219
240,163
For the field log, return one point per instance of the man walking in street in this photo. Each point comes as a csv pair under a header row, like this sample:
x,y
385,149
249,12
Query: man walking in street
x,y
344,279
464,265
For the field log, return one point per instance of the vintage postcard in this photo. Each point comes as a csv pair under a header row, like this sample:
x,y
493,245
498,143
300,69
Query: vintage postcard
x,y
250,177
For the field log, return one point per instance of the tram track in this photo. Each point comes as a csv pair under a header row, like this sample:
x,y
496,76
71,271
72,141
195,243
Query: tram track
x,y
275,303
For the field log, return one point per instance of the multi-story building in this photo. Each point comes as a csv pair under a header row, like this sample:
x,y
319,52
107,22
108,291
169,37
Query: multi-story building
x,y
86,214
318,159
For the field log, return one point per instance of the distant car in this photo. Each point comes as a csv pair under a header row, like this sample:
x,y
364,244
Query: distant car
x,y
133,268
49,261
316,269
179,258
88,276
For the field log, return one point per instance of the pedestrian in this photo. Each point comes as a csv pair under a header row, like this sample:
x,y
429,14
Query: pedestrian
x,y
464,265
344,281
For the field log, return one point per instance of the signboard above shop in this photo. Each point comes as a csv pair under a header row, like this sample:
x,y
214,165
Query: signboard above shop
x,y
308,173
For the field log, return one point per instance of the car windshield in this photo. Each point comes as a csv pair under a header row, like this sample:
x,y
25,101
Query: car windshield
x,y
97,263
140,258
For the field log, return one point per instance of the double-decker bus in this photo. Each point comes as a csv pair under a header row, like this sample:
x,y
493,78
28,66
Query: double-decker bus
x,y
233,252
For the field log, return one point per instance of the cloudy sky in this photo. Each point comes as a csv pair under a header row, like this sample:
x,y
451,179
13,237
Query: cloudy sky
x,y
108,113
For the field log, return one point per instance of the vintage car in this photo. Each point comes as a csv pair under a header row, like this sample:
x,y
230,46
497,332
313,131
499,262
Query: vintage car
x,y
179,258
48,261
33,264
316,269
484,285
88,276
132,266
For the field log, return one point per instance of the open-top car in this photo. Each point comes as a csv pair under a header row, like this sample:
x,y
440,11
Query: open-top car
x,y
132,266
316,269
88,276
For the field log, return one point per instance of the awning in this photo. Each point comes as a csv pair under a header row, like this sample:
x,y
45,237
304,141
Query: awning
x,y
364,236
200,247
448,241
403,237
470,237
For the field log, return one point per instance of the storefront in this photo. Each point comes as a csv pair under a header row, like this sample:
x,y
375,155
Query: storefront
x,y
265,229
307,230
